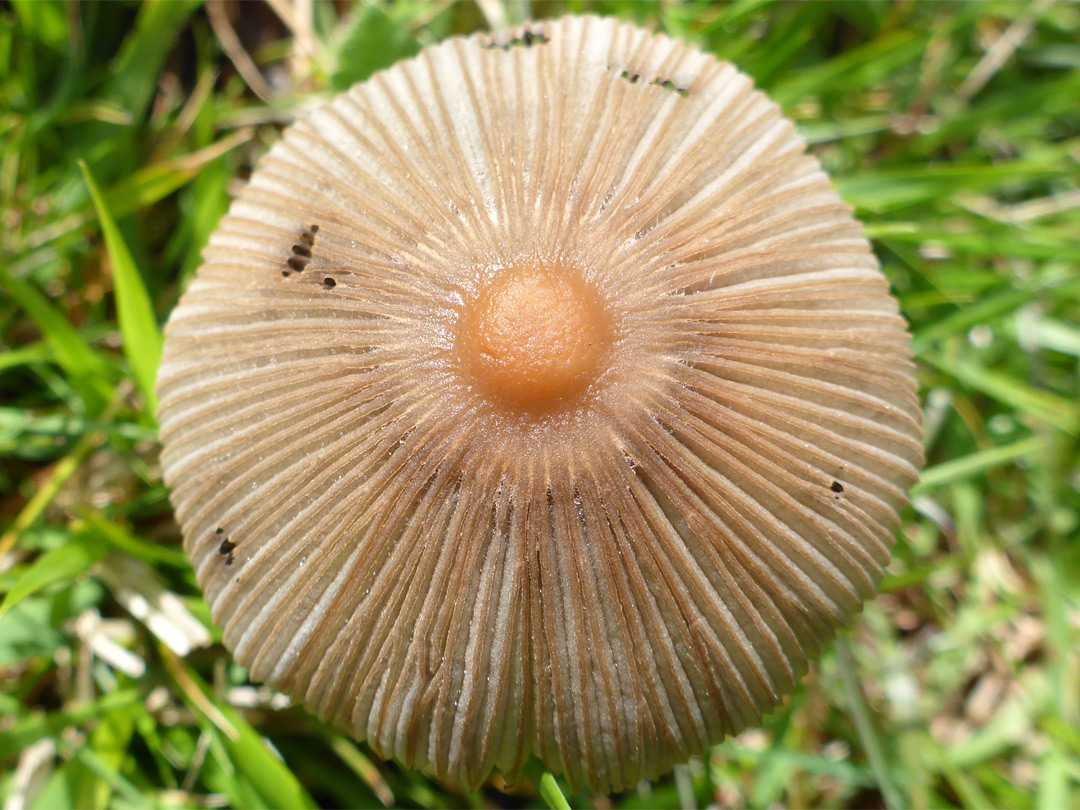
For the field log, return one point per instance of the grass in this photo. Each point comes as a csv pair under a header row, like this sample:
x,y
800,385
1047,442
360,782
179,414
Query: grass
x,y
952,128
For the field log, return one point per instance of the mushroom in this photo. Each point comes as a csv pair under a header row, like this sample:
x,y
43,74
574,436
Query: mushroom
x,y
539,396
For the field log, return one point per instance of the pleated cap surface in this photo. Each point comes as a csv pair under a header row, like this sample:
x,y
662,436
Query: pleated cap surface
x,y
611,568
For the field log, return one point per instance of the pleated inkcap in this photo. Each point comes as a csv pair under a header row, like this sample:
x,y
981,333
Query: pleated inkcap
x,y
539,396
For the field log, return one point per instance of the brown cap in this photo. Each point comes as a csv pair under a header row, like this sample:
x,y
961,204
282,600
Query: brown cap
x,y
539,396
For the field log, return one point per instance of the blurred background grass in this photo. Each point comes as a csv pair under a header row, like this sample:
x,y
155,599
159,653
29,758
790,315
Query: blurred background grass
x,y
952,128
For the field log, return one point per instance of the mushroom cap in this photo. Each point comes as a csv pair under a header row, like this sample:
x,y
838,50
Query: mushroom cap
x,y
539,396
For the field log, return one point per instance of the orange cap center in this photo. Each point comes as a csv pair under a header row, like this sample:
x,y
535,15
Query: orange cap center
x,y
533,336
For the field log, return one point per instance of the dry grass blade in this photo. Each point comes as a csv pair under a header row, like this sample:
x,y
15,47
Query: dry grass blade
x,y
230,43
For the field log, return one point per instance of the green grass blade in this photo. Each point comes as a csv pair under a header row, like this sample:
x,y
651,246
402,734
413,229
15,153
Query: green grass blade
x,y
27,355
126,542
86,371
146,47
1053,782
102,759
138,325
551,793
26,731
959,469
842,770
373,40
1051,408
546,785
248,753
1048,333
363,767
59,565
48,489
861,715
984,311
883,190
43,21
858,67
139,190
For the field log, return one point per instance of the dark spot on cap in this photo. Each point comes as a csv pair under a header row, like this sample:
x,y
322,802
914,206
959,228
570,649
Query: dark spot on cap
x,y
527,39
668,84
